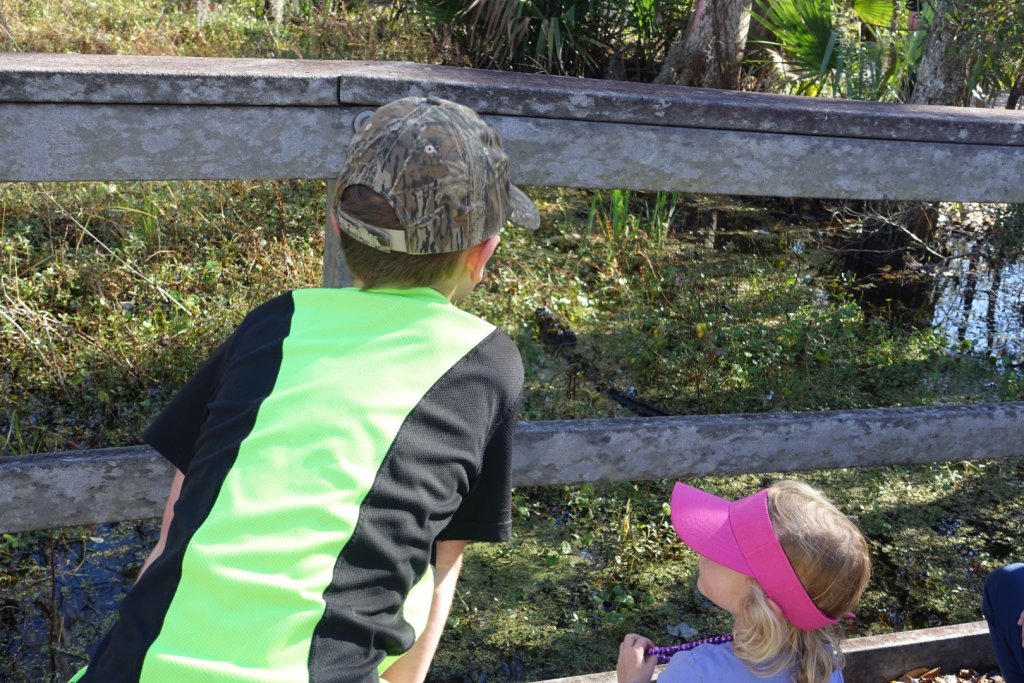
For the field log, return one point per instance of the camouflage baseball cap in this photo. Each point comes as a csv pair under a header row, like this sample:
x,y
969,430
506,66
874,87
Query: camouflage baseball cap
x,y
442,170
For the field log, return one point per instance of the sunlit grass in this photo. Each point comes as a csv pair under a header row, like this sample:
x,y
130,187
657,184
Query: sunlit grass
x,y
114,293
229,29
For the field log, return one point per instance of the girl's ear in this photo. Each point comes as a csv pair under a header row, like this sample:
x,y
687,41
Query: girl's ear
x,y
774,607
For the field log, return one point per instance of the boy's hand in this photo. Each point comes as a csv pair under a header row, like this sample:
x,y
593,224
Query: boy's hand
x,y
1020,622
633,666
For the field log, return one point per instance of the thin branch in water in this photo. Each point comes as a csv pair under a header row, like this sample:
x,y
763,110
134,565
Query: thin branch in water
x,y
921,242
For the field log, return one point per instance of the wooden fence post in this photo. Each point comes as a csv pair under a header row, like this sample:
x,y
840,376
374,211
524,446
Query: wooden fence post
x,y
336,272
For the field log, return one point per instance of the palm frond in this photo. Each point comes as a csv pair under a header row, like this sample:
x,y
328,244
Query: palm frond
x,y
874,12
805,31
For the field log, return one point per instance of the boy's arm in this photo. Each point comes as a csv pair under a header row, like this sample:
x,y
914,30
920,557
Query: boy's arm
x,y
165,524
412,667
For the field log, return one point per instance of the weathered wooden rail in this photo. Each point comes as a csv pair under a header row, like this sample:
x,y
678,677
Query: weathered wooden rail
x,y
881,659
82,487
74,117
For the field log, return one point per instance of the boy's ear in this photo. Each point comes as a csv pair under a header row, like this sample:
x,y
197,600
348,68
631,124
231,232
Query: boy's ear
x,y
333,220
478,255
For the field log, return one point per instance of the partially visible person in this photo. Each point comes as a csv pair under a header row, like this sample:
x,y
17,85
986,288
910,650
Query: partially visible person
x,y
1003,604
786,564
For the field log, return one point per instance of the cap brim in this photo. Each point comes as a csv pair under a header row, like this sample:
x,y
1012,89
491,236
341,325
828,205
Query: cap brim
x,y
701,520
524,212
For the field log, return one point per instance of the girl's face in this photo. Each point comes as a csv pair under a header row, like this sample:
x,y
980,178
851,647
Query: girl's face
x,y
723,586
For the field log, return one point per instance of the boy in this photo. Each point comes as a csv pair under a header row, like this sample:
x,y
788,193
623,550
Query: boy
x,y
339,450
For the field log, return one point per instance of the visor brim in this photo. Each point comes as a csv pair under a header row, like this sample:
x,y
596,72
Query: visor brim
x,y
701,521
524,211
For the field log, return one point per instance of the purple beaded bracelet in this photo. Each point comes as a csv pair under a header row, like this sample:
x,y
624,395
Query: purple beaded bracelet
x,y
665,653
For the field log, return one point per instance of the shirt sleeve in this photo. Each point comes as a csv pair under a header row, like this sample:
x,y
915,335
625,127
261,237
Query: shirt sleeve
x,y
486,512
682,669
175,430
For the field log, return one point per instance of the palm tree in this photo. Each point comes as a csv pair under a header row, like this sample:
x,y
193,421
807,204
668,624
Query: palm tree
x,y
849,48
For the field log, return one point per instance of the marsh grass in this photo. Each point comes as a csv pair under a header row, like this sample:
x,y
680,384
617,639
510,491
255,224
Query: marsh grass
x,y
110,291
112,294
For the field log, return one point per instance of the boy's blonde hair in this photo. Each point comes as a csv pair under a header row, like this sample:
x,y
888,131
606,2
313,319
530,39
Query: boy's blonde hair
x,y
374,268
830,557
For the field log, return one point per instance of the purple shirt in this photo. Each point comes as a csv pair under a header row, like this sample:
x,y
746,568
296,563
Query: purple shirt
x,y
716,663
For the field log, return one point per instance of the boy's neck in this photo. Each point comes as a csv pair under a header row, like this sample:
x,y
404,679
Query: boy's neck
x,y
447,289
444,288
466,274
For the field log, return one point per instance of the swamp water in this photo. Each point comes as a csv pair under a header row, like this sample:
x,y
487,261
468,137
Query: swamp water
x,y
59,589
981,304
972,296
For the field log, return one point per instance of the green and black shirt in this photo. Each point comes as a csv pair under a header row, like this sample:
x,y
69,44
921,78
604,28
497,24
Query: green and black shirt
x,y
326,445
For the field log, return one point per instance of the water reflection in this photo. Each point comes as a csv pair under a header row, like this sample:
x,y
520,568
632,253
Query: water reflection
x,y
974,299
59,591
980,303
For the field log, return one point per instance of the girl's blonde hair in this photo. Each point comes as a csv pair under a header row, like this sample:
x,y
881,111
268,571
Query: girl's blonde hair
x,y
830,557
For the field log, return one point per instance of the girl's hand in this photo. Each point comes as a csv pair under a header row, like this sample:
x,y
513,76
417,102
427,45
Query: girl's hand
x,y
633,666
1020,622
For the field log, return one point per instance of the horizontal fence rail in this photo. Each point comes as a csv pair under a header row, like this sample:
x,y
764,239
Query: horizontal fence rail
x,y
86,117
875,659
62,489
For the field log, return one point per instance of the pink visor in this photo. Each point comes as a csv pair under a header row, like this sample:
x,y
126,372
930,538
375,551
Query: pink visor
x,y
740,536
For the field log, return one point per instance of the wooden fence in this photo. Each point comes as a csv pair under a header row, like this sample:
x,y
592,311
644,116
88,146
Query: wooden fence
x,y
75,117
82,487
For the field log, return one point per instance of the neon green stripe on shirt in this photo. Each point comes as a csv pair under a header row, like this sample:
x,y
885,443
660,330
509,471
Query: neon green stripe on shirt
x,y
255,571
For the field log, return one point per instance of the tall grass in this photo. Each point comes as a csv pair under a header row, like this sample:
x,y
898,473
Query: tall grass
x,y
616,213
229,29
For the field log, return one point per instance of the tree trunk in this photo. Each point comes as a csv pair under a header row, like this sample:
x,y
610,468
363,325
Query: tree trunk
x,y
710,52
274,8
202,12
1016,92
942,76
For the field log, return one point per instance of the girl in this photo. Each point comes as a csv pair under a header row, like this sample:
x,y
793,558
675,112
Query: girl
x,y
786,564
